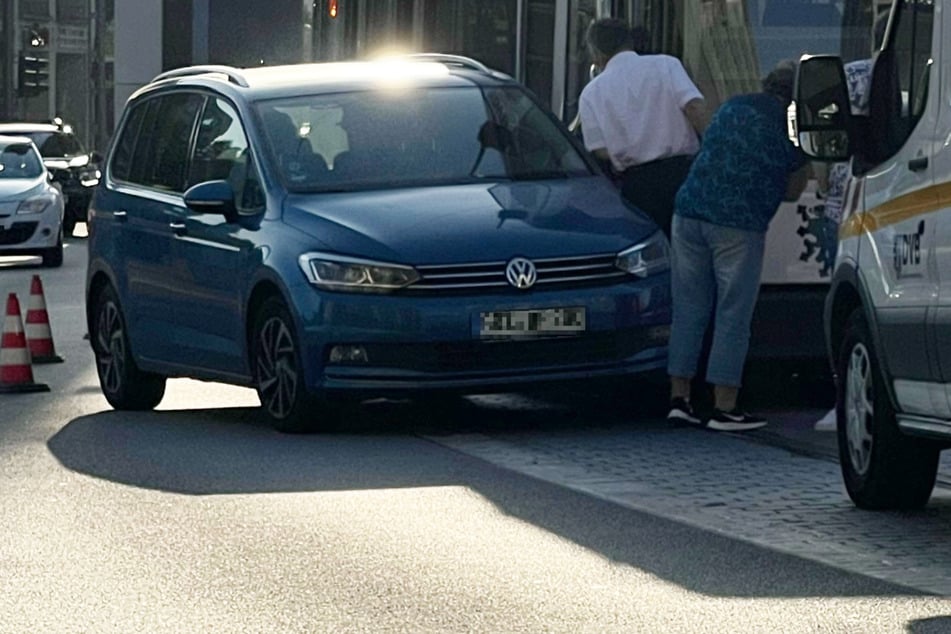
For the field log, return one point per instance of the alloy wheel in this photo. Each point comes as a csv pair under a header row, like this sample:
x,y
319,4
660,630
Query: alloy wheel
x,y
859,408
110,340
277,370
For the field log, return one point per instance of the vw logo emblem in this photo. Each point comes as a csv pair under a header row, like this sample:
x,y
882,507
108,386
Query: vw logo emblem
x,y
521,273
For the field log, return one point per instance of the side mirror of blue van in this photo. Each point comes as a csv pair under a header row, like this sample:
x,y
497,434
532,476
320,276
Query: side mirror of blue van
x,y
211,197
820,116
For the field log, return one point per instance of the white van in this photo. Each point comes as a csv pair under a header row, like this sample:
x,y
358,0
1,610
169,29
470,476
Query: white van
x,y
888,310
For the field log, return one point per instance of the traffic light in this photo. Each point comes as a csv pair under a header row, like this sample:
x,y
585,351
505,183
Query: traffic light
x,y
332,8
33,73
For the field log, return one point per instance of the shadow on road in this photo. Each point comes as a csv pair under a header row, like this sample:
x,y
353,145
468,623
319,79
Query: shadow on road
x,y
933,625
231,451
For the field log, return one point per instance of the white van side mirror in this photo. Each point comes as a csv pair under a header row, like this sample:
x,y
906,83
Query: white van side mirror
x,y
820,118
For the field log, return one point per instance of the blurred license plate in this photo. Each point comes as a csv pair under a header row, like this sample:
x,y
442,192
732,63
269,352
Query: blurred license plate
x,y
541,321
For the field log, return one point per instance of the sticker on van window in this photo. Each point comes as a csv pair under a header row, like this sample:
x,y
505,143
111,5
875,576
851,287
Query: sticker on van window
x,y
907,251
819,234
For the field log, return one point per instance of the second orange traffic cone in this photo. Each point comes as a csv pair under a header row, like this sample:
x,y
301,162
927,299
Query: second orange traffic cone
x,y
16,371
39,336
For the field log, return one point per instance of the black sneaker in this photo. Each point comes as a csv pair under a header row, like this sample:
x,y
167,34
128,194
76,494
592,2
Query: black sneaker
x,y
681,411
734,420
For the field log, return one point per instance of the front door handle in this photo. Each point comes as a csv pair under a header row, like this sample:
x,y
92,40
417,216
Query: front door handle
x,y
120,214
178,228
918,164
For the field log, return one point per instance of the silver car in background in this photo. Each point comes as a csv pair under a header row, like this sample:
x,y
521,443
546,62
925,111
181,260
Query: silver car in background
x,y
31,206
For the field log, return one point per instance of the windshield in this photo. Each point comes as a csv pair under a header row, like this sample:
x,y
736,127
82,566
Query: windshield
x,y
424,136
55,144
19,160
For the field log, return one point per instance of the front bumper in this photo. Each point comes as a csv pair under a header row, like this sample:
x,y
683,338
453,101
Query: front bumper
x,y
28,236
424,342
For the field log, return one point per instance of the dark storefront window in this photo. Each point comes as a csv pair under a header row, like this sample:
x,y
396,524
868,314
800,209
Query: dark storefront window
x,y
539,45
177,42
72,10
583,13
485,31
251,33
34,9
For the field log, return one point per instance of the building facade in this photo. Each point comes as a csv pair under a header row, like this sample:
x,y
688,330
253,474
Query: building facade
x,y
57,62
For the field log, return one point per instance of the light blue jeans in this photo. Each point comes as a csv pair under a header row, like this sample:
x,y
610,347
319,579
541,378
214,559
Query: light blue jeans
x,y
713,266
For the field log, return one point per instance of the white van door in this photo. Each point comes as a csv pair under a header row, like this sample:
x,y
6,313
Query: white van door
x,y
899,221
942,220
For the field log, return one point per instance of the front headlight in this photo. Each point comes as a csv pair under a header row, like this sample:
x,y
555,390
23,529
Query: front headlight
x,y
339,273
35,204
646,258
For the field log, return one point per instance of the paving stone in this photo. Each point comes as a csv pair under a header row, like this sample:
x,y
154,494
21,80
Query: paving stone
x,y
737,486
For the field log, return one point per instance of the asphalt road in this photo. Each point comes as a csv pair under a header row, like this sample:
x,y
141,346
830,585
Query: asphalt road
x,y
199,518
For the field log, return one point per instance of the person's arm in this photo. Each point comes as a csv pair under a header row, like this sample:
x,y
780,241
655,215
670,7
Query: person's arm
x,y
698,115
592,136
797,183
602,155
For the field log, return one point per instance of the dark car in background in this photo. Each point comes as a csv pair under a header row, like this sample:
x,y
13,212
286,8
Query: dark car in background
x,y
71,165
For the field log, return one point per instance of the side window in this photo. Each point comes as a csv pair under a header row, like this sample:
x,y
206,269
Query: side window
x,y
901,77
912,43
121,167
221,153
170,140
142,153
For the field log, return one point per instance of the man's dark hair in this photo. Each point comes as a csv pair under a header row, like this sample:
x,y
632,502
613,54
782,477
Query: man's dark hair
x,y
610,35
641,40
780,80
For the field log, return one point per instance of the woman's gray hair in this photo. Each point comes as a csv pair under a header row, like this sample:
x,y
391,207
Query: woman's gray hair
x,y
780,80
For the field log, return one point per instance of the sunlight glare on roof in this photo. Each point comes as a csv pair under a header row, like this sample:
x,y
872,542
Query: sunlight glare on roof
x,y
385,71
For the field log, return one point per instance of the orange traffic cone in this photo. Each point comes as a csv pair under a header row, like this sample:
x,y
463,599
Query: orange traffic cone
x,y
16,371
39,337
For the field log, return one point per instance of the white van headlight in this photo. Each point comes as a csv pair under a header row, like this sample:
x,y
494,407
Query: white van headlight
x,y
341,273
646,258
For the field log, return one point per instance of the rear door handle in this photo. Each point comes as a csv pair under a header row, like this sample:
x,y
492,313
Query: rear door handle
x,y
918,164
178,228
120,214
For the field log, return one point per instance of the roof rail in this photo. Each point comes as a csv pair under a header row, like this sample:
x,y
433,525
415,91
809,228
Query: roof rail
x,y
452,60
233,74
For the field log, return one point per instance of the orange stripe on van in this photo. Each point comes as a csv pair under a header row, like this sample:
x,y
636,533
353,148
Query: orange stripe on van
x,y
917,203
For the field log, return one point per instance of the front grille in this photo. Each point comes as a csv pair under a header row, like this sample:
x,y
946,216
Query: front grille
x,y
19,232
475,356
574,271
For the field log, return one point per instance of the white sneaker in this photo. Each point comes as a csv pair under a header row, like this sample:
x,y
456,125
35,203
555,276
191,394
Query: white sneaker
x,y
827,422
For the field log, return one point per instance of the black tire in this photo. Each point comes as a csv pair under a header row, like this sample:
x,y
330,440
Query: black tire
x,y
278,373
53,257
124,385
883,468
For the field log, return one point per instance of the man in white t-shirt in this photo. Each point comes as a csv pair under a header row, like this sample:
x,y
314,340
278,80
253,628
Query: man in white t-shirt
x,y
643,115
